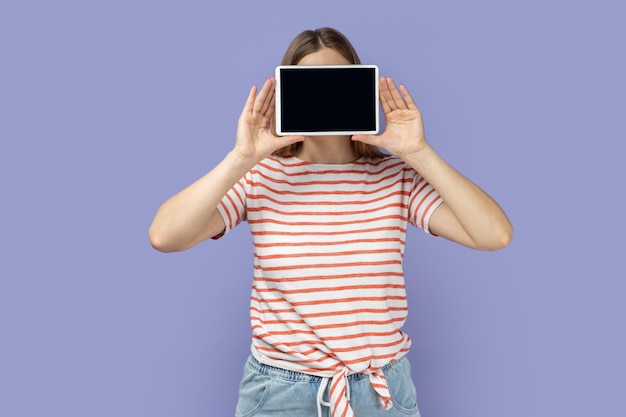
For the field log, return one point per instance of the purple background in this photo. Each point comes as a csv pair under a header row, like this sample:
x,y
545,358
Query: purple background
x,y
107,109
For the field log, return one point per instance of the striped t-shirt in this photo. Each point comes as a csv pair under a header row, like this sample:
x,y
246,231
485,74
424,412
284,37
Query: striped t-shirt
x,y
328,295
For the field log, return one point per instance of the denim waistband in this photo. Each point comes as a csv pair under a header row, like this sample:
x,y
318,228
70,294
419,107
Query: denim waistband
x,y
287,375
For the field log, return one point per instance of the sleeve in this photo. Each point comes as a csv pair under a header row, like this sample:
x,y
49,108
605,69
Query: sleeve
x,y
423,201
232,208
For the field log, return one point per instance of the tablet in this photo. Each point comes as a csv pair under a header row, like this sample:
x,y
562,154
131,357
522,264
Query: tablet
x,y
327,100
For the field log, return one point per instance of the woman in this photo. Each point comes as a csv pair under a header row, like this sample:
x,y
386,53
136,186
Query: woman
x,y
328,217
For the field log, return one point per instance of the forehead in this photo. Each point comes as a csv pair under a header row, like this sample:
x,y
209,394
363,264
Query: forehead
x,y
324,56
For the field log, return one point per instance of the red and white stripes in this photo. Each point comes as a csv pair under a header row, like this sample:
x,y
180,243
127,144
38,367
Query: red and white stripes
x,y
328,296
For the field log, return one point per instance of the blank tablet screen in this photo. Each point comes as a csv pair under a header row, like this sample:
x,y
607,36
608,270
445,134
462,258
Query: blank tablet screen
x,y
318,100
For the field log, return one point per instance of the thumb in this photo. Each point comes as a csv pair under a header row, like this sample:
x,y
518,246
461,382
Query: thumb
x,y
283,141
293,139
369,139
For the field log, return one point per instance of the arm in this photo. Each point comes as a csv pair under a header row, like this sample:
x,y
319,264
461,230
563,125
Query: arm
x,y
191,216
468,215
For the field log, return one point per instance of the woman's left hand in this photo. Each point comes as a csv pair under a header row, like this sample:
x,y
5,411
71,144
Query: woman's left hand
x,y
468,215
404,133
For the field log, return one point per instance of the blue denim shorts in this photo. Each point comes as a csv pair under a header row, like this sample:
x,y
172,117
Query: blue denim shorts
x,y
267,391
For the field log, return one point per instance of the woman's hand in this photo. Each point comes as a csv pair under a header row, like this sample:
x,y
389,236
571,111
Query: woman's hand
x,y
404,133
468,215
255,141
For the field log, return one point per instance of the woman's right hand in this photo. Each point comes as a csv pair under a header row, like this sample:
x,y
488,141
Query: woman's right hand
x,y
255,141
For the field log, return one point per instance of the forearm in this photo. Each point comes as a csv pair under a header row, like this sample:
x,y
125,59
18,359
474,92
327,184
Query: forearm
x,y
181,218
482,219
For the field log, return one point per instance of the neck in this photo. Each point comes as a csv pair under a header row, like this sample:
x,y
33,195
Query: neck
x,y
327,150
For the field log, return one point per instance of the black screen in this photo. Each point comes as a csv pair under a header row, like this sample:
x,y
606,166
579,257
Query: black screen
x,y
331,99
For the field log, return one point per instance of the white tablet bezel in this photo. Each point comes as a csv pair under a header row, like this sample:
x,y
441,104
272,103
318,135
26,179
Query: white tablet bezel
x,y
376,102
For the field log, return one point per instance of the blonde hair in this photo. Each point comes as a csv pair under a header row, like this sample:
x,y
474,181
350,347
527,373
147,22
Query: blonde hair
x,y
311,41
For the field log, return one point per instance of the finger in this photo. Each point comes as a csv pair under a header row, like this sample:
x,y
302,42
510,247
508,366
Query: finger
x,y
247,108
269,110
395,94
269,102
267,115
407,98
272,107
260,103
385,96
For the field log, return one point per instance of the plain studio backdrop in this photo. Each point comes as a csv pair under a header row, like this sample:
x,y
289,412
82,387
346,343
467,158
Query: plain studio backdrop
x,y
109,108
